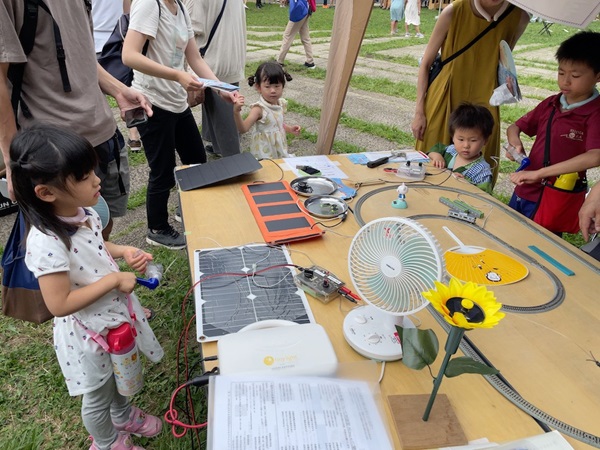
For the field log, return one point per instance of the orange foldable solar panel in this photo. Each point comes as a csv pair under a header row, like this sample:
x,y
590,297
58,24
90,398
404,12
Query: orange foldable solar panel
x,y
276,211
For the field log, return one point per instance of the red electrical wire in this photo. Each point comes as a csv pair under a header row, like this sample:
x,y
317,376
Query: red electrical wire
x,y
171,414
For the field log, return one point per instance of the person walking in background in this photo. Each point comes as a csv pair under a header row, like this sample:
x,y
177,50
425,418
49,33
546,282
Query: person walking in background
x,y
105,15
55,185
296,25
412,16
161,76
265,120
385,4
226,56
396,14
469,77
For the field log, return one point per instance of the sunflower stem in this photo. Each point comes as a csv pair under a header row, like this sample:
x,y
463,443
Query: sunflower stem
x,y
454,337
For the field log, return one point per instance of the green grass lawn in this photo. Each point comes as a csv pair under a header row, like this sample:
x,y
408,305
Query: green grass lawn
x,y
35,409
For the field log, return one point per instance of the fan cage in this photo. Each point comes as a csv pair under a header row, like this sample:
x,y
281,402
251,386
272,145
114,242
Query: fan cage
x,y
392,261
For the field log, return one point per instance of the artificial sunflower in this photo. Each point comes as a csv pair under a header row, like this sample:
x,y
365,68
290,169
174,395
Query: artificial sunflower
x,y
467,305
464,306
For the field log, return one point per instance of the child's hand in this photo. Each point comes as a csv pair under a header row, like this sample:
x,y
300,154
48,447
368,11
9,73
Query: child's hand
x,y
525,177
229,97
136,259
518,148
437,160
238,103
126,281
294,129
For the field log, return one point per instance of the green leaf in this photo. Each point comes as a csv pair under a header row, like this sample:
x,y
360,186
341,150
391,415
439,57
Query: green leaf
x,y
419,347
464,364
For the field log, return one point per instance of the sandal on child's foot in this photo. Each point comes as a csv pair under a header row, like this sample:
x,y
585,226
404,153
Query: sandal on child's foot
x,y
123,442
141,424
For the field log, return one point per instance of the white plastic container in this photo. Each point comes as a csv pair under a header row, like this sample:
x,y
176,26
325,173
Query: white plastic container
x,y
125,358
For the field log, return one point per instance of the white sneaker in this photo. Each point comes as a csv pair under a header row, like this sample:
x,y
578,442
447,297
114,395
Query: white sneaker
x,y
407,35
419,35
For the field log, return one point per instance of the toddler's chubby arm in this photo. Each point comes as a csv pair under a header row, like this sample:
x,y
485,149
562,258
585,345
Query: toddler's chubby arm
x,y
62,301
254,116
294,129
437,160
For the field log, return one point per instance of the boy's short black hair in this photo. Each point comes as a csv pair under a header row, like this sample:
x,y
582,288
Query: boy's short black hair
x,y
580,48
471,116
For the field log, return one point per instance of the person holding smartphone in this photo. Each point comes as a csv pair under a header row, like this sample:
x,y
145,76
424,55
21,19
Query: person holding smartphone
x,y
44,85
161,76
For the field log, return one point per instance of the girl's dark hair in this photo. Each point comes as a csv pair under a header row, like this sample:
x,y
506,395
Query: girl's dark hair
x,y
580,48
270,71
471,117
47,154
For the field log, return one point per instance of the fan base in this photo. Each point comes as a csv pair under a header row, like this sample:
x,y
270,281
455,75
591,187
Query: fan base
x,y
372,333
441,430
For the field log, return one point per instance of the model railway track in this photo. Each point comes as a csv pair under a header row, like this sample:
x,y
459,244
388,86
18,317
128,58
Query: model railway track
x,y
499,383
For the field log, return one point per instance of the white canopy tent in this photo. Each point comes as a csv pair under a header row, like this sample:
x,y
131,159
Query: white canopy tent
x,y
575,13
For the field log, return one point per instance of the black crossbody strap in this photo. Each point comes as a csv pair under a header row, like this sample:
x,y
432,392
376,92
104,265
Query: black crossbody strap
x,y
547,143
479,36
27,36
212,31
27,39
60,51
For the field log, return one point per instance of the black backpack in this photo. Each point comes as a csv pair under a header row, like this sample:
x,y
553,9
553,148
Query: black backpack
x,y
27,39
111,56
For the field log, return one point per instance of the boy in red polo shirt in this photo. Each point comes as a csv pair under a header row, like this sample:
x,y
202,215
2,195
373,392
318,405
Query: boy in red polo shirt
x,y
575,124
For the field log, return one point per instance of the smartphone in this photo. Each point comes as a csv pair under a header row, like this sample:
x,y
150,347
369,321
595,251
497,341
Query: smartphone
x,y
135,117
309,170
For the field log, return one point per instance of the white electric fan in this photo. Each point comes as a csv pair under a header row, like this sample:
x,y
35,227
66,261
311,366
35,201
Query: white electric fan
x,y
391,261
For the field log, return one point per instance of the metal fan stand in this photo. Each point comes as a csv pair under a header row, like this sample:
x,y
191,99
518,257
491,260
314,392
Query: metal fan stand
x,y
372,333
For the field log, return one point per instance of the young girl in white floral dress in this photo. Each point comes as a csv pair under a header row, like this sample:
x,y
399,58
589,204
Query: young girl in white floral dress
x,y
266,117
55,185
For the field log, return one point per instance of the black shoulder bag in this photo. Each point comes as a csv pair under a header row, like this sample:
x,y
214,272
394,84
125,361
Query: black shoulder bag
x,y
438,64
111,56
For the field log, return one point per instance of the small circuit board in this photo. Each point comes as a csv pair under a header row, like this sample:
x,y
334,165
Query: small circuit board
x,y
319,282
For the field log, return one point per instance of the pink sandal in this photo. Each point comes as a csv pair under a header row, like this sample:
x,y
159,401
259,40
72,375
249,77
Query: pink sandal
x,y
141,424
123,442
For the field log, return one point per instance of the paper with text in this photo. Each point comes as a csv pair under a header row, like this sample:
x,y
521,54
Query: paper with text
x,y
320,162
293,413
